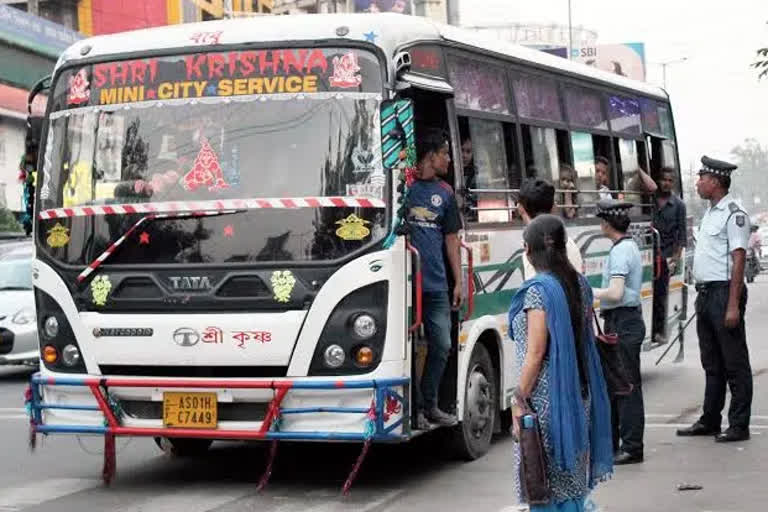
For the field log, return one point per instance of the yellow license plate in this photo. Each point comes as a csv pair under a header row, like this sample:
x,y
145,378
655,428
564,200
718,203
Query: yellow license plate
x,y
189,410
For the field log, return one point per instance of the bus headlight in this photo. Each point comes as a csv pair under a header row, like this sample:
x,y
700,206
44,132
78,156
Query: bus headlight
x,y
70,355
51,327
352,340
364,326
59,349
334,356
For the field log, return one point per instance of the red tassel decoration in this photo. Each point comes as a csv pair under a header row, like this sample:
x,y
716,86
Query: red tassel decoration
x,y
108,473
268,470
32,435
356,468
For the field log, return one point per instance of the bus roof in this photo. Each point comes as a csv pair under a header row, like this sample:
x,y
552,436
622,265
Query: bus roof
x,y
388,31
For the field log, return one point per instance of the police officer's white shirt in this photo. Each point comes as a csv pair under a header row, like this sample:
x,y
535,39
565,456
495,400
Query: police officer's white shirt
x,y
715,242
574,256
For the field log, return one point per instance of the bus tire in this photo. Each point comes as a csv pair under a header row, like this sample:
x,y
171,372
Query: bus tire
x,y
472,436
177,447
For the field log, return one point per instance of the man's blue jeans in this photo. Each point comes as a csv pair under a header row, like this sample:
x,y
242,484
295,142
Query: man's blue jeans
x,y
437,324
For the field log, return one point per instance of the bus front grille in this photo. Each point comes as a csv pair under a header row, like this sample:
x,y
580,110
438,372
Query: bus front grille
x,y
219,372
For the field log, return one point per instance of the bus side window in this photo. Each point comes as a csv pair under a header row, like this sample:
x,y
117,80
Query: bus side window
x,y
586,149
541,152
486,168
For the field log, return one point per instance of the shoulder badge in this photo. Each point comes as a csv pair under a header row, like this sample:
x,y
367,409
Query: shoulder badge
x,y
740,221
733,207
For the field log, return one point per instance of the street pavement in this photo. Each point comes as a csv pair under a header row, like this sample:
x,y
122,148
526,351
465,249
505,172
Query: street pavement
x,y
63,474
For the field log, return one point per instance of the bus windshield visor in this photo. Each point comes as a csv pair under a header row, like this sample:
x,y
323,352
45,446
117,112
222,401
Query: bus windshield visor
x,y
288,142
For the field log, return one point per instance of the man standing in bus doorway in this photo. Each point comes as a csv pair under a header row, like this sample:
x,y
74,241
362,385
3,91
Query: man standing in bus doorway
x,y
669,221
603,178
434,224
537,196
718,268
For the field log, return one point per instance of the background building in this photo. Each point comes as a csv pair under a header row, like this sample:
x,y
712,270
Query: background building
x,y
29,48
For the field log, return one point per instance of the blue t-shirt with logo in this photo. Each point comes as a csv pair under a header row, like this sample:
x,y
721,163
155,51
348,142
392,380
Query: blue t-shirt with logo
x,y
432,214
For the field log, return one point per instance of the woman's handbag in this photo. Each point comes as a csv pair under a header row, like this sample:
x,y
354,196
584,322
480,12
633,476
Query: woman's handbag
x,y
533,467
616,376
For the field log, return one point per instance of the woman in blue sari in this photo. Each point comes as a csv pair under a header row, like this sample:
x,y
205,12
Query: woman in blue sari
x,y
560,374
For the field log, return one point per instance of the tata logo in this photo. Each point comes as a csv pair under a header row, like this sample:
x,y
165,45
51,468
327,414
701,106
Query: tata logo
x,y
186,337
190,283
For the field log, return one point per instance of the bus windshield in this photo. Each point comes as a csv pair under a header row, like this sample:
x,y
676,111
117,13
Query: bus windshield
x,y
215,129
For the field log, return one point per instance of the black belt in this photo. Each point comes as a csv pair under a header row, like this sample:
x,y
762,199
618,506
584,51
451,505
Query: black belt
x,y
709,285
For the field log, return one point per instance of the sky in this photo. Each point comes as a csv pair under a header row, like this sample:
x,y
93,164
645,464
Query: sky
x,y
716,98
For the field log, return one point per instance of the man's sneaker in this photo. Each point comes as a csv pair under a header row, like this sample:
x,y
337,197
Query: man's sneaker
x,y
660,339
422,423
438,417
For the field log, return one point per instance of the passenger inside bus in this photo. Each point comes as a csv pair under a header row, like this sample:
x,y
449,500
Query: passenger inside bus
x,y
470,176
603,178
569,201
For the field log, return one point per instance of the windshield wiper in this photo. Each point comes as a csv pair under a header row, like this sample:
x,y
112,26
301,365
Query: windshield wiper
x,y
13,288
147,218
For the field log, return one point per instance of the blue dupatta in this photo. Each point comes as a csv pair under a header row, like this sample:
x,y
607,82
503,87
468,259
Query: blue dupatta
x,y
569,429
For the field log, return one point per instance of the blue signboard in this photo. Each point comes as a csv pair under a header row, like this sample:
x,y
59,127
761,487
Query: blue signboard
x,y
35,33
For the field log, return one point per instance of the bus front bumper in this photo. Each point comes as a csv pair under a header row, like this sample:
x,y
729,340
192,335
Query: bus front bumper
x,y
293,409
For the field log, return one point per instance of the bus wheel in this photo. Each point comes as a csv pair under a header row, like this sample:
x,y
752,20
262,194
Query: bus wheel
x,y
473,434
183,447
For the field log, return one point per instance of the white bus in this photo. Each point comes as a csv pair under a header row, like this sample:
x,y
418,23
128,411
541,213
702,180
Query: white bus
x,y
220,251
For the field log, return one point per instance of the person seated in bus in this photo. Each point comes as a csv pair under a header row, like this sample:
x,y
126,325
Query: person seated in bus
x,y
620,305
640,187
470,177
537,197
567,181
560,377
603,178
433,219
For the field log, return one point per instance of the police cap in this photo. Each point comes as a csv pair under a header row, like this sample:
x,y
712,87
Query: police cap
x,y
612,208
718,167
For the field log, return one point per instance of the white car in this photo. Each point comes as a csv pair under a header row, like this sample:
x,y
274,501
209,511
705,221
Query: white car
x,y
18,325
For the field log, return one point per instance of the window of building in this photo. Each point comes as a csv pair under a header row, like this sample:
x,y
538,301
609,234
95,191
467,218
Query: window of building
x,y
478,86
537,98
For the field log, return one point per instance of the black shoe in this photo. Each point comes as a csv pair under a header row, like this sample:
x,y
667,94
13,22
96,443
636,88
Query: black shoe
x,y
698,429
623,458
733,434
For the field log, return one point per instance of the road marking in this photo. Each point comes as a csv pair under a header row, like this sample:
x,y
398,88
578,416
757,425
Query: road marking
x,y
686,425
190,499
19,498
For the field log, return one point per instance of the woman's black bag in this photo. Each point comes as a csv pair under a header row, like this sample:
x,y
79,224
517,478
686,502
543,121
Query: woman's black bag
x,y
616,376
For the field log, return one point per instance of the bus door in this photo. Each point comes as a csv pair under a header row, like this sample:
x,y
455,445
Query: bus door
x,y
433,104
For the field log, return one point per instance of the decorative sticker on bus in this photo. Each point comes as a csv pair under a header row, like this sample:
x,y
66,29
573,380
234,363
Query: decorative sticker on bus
x,y
224,74
100,288
353,228
257,336
79,93
58,236
282,285
213,335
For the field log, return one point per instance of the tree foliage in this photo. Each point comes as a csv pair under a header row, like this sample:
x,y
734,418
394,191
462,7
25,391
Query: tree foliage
x,y
751,180
762,64
8,222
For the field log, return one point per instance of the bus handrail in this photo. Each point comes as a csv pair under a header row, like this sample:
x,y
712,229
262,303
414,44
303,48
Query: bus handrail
x,y
557,190
470,282
657,238
418,284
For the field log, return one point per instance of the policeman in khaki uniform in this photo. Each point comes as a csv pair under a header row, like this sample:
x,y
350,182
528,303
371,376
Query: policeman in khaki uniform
x,y
718,268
